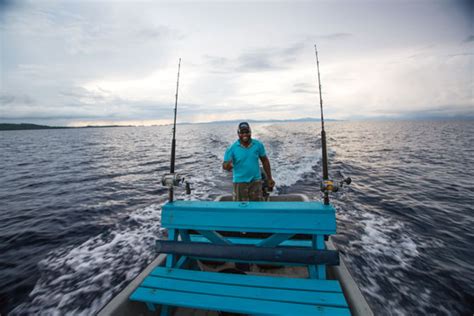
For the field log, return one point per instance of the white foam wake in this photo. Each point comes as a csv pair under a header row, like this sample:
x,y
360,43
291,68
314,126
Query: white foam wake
x,y
390,251
80,280
291,156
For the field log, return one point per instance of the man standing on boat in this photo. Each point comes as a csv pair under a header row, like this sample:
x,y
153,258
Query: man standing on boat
x,y
242,156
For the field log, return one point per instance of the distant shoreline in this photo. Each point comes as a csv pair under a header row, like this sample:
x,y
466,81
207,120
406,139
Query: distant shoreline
x,y
28,126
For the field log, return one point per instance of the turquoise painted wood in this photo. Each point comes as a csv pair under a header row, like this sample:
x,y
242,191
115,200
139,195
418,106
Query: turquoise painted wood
x,y
283,219
233,304
320,246
250,280
221,284
274,240
244,291
254,241
276,217
214,237
248,294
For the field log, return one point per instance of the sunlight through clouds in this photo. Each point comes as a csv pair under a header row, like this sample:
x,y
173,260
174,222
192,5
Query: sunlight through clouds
x,y
72,62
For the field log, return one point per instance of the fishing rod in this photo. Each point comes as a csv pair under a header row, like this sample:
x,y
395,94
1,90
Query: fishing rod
x,y
173,179
173,142
327,185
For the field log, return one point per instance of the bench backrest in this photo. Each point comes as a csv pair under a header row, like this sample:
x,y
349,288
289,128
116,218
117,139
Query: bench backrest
x,y
313,218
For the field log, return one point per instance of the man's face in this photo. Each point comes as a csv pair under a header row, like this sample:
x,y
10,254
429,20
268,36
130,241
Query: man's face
x,y
244,135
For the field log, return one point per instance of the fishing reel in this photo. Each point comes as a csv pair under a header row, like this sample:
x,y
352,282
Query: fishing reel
x,y
172,180
330,186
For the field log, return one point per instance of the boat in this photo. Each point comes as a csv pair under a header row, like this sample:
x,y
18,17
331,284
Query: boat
x,y
222,257
121,305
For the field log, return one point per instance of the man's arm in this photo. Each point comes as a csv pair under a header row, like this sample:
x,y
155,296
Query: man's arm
x,y
227,165
268,171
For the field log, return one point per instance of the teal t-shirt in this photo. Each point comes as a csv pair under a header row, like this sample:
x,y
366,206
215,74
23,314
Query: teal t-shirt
x,y
245,160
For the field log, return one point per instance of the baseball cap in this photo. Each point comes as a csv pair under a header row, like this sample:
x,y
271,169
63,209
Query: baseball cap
x,y
244,126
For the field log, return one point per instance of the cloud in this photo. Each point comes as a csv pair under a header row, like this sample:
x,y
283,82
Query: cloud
x,y
83,43
8,99
6,4
336,36
70,60
443,111
269,58
469,39
257,59
304,87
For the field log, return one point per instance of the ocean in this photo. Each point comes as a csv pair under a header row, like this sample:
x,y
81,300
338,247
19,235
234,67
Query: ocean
x,y
80,208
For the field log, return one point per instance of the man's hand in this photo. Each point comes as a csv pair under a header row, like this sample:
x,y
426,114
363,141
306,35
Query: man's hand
x,y
227,165
271,183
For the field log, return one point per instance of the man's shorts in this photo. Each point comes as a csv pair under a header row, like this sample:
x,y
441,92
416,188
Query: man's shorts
x,y
248,191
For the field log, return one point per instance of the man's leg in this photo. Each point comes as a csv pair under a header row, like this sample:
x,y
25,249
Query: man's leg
x,y
241,192
255,191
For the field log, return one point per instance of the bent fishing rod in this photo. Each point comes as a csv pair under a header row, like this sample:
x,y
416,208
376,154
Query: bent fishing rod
x,y
327,185
173,142
172,179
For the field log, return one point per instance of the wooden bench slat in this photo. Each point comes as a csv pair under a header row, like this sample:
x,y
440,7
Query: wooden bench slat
x,y
276,217
213,206
250,280
245,291
231,304
259,223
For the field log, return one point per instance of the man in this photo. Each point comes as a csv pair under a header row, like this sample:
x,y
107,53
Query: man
x,y
242,156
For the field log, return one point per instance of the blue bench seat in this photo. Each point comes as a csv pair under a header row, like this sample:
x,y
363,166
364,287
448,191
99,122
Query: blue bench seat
x,y
202,229
250,294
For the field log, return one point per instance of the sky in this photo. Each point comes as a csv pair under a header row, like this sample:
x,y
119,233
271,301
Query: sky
x,y
80,63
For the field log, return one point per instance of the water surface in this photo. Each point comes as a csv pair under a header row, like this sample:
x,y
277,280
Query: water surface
x,y
80,208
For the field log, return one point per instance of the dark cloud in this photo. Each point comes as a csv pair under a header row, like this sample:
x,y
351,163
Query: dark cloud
x,y
152,33
435,112
218,64
335,36
463,54
261,59
80,104
469,39
8,99
257,61
303,87
79,95
270,58
6,4
304,91
159,32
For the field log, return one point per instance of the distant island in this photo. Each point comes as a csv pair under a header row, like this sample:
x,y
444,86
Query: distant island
x,y
22,126
28,126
